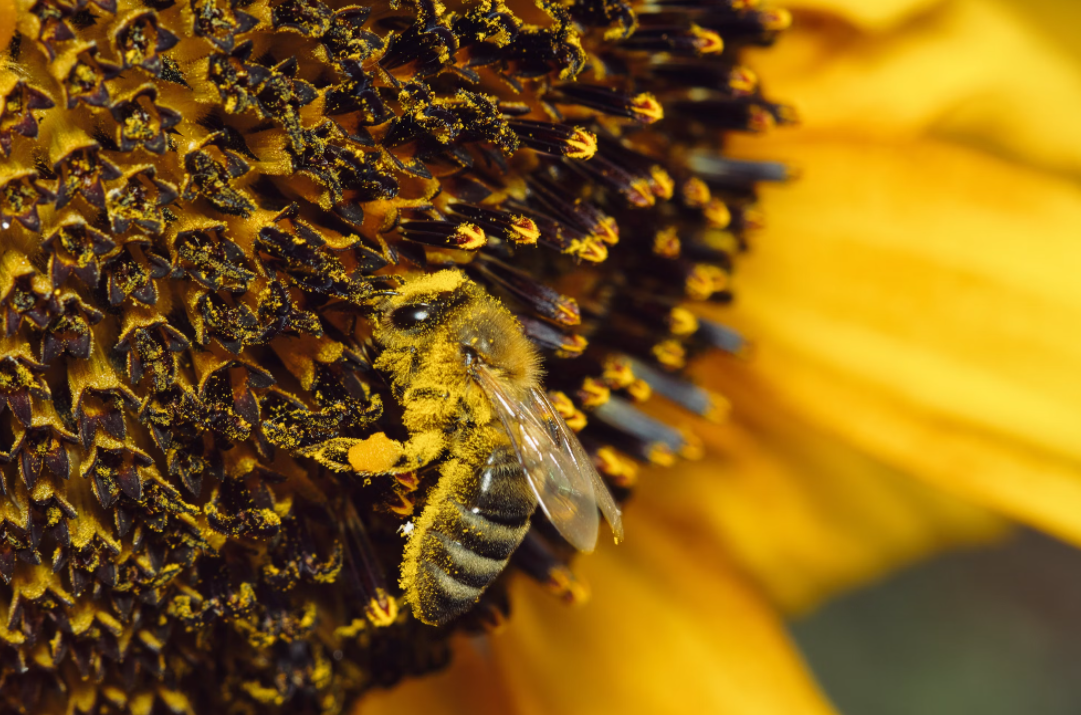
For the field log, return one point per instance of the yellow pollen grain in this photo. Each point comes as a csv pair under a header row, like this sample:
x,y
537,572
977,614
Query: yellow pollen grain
x,y
707,42
608,462
608,231
617,373
376,454
524,231
717,213
577,421
382,610
572,345
405,506
759,119
742,81
640,193
567,313
563,583
754,220
670,353
639,390
661,455
441,282
699,284
470,237
718,276
562,403
719,408
682,322
662,184
593,393
776,20
666,243
582,144
646,108
696,193
592,249
620,470
693,448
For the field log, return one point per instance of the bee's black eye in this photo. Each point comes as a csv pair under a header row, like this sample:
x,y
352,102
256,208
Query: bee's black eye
x,y
411,316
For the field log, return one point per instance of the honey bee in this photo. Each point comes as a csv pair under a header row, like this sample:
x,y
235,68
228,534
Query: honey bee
x,y
466,375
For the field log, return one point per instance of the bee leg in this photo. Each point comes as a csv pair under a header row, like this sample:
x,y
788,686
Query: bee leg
x,y
423,448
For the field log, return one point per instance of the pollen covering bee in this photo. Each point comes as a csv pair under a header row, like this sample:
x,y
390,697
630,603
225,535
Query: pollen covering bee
x,y
464,373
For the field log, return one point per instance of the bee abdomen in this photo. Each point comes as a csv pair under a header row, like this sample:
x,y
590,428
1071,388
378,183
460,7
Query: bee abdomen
x,y
470,543
464,565
486,537
502,496
451,577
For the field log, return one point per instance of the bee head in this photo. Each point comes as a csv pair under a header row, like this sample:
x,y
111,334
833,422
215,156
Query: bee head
x,y
420,305
444,323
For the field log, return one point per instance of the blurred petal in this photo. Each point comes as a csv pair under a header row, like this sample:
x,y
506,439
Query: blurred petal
x,y
870,15
804,513
969,70
929,314
671,628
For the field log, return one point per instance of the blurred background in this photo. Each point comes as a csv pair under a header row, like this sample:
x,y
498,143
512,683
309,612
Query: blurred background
x,y
991,632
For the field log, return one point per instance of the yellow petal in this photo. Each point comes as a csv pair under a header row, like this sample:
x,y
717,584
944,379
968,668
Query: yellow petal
x,y
870,14
802,512
921,300
970,70
671,629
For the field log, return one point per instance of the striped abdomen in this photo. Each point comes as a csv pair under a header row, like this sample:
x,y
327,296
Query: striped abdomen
x,y
480,522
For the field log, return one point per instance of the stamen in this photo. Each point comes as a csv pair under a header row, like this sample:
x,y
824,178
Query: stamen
x,y
695,193
747,114
575,418
555,139
539,562
579,213
722,337
515,228
445,234
534,295
686,394
621,471
548,337
678,40
362,571
642,107
639,433
726,172
729,80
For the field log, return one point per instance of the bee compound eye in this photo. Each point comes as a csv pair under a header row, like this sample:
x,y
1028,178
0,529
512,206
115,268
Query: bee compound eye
x,y
411,316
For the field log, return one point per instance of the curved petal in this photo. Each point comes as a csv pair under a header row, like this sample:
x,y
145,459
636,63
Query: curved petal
x,y
971,70
878,14
928,314
672,628
805,514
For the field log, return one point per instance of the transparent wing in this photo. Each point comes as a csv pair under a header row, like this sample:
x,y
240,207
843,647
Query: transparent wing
x,y
555,464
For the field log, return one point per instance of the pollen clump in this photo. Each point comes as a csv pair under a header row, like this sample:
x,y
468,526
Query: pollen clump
x,y
214,420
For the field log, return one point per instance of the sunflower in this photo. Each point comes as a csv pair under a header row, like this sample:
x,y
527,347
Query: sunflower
x,y
912,385
212,441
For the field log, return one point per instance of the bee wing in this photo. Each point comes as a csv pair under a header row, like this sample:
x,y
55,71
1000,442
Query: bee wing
x,y
555,464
